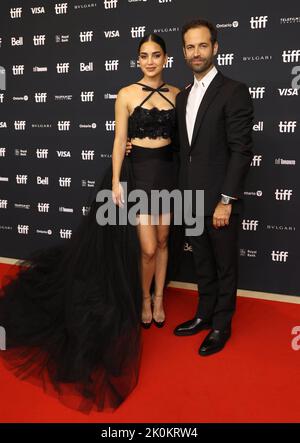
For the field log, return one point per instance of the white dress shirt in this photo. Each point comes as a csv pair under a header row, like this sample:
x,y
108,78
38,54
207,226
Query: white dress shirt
x,y
194,101
195,98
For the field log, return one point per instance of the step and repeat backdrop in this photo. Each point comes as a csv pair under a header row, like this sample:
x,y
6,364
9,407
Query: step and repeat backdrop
x,y
61,66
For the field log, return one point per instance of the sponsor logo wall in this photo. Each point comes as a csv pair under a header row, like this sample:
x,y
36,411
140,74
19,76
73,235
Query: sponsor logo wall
x,y
61,66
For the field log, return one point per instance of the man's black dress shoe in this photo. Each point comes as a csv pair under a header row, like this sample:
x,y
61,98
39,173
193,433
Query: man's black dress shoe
x,y
192,327
214,342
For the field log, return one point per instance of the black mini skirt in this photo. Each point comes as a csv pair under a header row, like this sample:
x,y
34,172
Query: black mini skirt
x,y
154,169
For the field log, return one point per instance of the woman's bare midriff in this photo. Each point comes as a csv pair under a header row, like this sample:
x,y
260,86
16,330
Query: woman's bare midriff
x,y
151,143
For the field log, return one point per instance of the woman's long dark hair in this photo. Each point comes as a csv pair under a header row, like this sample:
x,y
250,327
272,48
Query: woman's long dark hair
x,y
153,38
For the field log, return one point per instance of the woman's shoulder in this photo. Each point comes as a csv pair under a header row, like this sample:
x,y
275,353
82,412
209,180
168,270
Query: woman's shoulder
x,y
173,89
128,91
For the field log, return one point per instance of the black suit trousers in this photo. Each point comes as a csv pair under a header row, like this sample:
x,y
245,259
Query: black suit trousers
x,y
216,255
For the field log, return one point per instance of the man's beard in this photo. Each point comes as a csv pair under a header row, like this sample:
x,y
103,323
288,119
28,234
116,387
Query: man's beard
x,y
204,67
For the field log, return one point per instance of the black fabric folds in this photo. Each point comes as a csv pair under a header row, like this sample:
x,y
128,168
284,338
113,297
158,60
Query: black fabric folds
x,y
72,313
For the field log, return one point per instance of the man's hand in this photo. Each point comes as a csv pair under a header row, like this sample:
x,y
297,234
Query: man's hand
x,y
221,215
128,147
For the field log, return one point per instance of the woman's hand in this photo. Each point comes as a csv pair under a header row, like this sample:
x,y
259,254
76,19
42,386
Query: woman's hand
x,y
128,147
118,194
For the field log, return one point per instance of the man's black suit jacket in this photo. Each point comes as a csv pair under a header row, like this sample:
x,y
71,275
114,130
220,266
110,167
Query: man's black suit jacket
x,y
220,154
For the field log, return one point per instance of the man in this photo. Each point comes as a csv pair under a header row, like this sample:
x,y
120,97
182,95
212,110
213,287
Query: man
x,y
215,118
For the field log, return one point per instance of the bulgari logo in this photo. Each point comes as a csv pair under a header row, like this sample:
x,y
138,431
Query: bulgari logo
x,y
170,29
257,58
281,228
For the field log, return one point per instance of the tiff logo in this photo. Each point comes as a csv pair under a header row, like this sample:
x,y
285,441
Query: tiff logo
x,y
138,31
85,210
43,207
64,182
62,68
42,153
110,4
86,36
256,160
249,225
283,194
63,125
39,40
2,339
2,152
20,125
281,256
258,22
23,229
16,12
291,55
257,92
287,126
65,233
87,96
21,179
61,8
18,69
3,204
225,59
111,65
40,97
169,62
110,125
87,154
296,340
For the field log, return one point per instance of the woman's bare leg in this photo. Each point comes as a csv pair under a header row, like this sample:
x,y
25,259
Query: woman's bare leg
x,y
148,241
161,261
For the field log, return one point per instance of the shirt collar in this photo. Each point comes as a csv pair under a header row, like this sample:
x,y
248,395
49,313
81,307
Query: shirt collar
x,y
207,79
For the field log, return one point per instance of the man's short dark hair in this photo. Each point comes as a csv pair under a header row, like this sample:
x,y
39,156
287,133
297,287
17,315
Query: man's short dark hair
x,y
198,23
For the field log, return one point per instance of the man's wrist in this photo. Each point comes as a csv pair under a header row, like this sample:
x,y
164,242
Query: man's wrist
x,y
226,199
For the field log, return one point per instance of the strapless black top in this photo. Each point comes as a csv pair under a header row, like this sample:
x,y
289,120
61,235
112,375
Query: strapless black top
x,y
154,122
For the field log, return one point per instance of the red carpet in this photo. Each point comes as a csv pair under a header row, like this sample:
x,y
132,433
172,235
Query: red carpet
x,y
254,379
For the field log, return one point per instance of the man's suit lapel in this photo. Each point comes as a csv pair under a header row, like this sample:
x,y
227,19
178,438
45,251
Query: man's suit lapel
x,y
182,112
208,97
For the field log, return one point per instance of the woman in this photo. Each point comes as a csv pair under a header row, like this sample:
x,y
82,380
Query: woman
x,y
72,315
145,112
